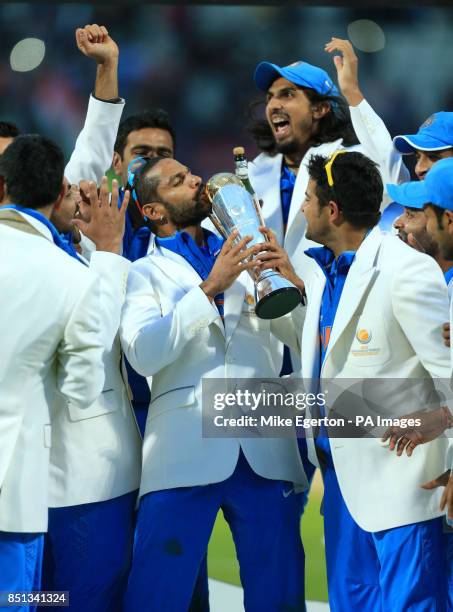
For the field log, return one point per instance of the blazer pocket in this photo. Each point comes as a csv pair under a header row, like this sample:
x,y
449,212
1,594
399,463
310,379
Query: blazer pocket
x,y
370,344
175,398
106,403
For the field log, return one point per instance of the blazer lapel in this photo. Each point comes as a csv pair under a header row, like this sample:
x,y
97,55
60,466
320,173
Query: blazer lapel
x,y
234,299
176,268
264,175
310,335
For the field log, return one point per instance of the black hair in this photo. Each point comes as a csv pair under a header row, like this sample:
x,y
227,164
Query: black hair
x,y
154,118
357,187
439,212
334,125
32,167
8,130
146,191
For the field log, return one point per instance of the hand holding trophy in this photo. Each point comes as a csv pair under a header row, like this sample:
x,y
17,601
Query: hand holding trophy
x,y
235,208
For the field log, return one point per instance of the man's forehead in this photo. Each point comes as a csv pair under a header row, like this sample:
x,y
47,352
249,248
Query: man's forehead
x,y
281,83
440,152
167,168
150,136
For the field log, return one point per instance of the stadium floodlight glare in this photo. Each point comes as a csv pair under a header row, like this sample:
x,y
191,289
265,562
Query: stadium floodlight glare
x,y
366,35
27,54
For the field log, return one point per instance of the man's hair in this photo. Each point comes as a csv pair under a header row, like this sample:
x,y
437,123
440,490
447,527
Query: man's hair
x,y
8,130
439,212
357,187
32,167
154,118
146,191
334,125
146,186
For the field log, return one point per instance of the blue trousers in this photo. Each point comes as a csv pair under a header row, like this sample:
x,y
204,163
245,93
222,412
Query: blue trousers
x,y
20,565
88,551
141,414
396,570
449,543
173,530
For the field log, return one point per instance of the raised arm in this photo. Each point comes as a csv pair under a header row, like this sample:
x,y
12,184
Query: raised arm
x,y
371,131
93,151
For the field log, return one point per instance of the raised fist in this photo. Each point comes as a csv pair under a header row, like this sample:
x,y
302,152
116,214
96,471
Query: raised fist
x,y
94,41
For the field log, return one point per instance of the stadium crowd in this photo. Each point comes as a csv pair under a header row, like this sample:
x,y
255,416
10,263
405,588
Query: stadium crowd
x,y
118,302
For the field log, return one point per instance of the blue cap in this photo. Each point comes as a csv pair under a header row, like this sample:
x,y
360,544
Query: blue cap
x,y
435,134
299,73
437,188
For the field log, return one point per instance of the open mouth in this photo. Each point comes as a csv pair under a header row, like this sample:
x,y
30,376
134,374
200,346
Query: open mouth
x,y
281,126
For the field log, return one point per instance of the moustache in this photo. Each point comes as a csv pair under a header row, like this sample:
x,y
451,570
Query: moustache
x,y
202,197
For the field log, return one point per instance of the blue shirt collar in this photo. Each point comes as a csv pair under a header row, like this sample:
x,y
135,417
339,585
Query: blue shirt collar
x,y
448,275
325,259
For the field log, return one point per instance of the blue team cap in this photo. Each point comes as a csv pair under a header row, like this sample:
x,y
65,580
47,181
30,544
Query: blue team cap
x,y
299,73
435,134
437,188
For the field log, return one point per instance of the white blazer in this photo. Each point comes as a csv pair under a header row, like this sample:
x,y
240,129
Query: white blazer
x,y
398,296
264,172
172,332
96,452
51,348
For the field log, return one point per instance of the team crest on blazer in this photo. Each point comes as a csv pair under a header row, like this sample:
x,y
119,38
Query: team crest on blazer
x,y
363,336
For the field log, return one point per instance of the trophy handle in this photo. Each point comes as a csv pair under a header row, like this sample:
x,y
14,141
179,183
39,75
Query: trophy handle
x,y
257,208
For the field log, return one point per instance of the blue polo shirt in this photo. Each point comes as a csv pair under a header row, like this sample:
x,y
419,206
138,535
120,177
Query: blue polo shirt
x,y
335,271
448,275
287,182
201,258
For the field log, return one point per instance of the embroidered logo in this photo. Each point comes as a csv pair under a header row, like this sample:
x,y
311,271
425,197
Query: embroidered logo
x,y
363,336
428,122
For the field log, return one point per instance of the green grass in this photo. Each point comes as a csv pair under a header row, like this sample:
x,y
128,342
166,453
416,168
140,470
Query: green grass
x,y
223,565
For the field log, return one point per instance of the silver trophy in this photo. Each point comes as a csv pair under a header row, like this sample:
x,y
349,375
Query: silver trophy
x,y
234,208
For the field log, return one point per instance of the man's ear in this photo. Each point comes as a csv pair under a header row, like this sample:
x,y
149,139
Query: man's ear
x,y
155,212
449,219
334,210
60,197
117,162
320,110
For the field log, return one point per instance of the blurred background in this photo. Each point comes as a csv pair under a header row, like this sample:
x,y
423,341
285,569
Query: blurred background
x,y
197,62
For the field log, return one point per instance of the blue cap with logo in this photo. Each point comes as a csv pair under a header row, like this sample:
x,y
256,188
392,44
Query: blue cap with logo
x,y
299,73
435,134
437,188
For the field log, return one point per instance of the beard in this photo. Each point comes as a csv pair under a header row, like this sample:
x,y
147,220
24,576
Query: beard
x,y
294,145
290,147
190,213
402,235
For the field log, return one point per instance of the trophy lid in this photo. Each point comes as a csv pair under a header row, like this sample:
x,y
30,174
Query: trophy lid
x,y
219,180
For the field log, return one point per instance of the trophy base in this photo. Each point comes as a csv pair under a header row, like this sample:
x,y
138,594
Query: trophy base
x,y
275,297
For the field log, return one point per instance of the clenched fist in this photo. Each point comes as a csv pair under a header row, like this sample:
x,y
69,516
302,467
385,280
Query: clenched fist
x,y
94,41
